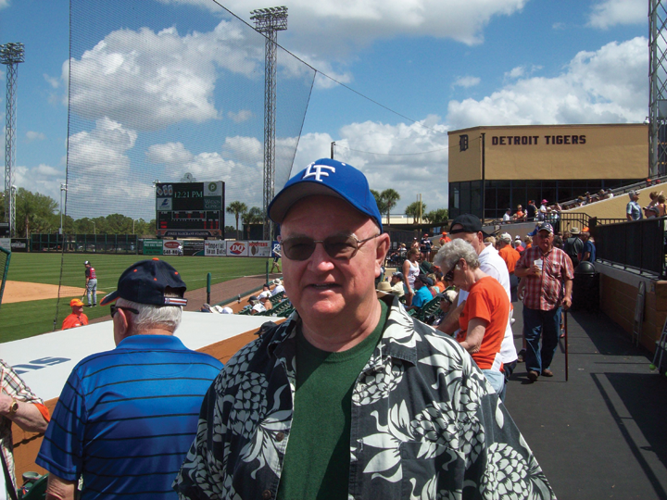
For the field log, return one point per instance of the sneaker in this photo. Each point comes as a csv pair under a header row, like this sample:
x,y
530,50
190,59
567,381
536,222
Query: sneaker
x,y
547,373
532,376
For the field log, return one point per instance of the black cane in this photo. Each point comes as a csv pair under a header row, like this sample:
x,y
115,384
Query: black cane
x,y
566,360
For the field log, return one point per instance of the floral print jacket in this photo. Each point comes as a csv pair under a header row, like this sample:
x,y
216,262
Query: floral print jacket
x,y
425,424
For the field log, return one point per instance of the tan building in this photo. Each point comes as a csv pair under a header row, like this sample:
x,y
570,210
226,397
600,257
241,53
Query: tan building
x,y
499,167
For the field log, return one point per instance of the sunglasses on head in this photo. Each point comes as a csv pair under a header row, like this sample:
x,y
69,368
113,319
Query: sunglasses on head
x,y
114,309
340,247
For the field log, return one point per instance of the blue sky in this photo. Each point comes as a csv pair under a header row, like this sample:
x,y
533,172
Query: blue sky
x,y
446,64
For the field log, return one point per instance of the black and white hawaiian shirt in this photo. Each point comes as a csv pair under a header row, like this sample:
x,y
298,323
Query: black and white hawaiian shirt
x,y
425,424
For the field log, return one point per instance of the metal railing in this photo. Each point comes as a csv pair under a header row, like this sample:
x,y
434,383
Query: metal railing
x,y
651,181
637,245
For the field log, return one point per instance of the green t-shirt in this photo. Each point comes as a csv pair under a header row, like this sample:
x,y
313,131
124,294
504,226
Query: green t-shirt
x,y
317,459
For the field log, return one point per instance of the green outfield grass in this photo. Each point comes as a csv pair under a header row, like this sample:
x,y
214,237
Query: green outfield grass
x,y
26,319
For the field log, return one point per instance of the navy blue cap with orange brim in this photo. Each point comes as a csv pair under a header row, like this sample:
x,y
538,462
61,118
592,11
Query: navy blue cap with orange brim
x,y
147,282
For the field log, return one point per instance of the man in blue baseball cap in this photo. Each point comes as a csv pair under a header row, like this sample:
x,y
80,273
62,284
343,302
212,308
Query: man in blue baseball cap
x,y
127,417
351,396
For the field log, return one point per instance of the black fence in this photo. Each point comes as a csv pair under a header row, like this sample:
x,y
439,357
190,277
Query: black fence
x,y
85,243
637,245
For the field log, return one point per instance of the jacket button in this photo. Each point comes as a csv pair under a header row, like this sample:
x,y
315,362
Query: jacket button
x,y
266,494
280,436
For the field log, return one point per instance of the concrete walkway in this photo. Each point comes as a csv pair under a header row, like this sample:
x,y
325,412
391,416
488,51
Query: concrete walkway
x,y
603,433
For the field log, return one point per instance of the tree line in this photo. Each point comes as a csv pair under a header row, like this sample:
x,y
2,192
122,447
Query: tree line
x,y
387,200
38,213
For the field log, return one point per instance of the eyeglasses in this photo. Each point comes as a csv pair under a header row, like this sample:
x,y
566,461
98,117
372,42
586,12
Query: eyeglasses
x,y
340,247
450,274
114,309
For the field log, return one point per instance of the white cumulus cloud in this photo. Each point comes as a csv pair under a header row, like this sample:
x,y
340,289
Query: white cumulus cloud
x,y
171,153
467,81
605,86
608,13
412,159
148,80
240,116
331,26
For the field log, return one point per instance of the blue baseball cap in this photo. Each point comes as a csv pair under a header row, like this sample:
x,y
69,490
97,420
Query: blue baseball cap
x,y
326,177
146,282
545,226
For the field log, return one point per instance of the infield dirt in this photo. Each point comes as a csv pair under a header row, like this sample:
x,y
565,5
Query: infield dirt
x,y
23,291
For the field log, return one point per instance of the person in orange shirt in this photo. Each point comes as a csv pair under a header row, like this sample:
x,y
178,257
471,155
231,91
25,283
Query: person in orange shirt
x,y
519,215
444,239
77,318
511,257
485,313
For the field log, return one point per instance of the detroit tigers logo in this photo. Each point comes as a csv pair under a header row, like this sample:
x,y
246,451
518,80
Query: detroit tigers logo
x,y
317,171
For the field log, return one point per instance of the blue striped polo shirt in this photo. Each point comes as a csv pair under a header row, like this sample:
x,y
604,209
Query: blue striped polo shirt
x,y
127,417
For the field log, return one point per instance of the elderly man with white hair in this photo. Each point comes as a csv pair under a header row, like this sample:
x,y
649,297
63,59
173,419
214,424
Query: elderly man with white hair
x,y
126,417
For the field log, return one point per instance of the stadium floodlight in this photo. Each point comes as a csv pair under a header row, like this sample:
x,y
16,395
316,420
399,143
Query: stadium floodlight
x,y
269,22
11,54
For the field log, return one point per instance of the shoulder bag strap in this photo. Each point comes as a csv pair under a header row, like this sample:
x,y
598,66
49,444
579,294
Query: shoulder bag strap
x,y
8,479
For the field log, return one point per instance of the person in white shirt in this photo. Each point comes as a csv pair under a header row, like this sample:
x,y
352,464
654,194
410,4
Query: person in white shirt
x,y
508,215
279,288
257,306
469,228
266,292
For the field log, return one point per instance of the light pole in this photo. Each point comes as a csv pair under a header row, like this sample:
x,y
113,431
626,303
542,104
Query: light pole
x,y
12,201
63,187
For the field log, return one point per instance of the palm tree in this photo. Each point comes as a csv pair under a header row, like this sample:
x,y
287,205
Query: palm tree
x,y
390,197
414,210
379,201
253,216
239,209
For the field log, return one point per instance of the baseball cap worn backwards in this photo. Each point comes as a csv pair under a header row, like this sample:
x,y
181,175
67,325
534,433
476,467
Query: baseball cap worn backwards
x,y
326,177
146,283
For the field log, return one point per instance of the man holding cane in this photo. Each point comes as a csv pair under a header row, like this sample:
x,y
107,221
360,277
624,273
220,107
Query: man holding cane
x,y
547,272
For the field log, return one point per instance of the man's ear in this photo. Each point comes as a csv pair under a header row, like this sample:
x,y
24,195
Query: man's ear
x,y
121,326
383,244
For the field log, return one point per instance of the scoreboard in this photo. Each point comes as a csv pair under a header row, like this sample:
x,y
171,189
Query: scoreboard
x,y
190,209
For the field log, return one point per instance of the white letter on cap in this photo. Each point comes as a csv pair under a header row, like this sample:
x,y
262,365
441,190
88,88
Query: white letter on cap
x,y
318,173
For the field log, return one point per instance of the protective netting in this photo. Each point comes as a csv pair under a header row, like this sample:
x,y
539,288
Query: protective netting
x,y
159,89
5,257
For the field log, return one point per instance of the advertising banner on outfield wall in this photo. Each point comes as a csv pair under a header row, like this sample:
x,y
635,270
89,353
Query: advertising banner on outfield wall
x,y
215,248
6,243
259,248
152,247
172,247
19,244
193,247
237,249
